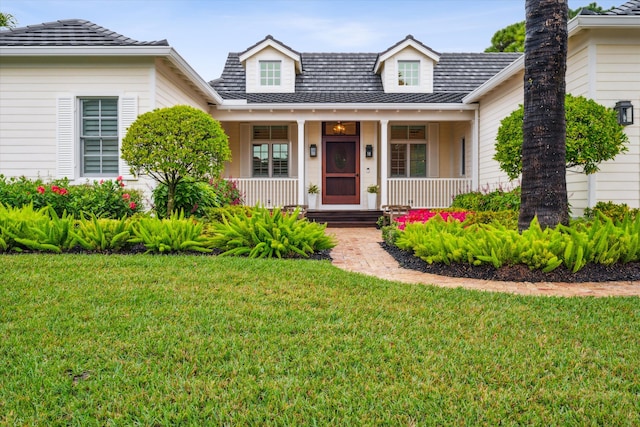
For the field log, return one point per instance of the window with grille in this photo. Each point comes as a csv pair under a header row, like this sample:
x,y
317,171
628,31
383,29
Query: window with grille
x,y
408,151
270,73
99,136
270,151
408,73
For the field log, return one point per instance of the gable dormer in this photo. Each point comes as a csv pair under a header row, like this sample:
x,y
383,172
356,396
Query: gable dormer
x,y
270,67
407,67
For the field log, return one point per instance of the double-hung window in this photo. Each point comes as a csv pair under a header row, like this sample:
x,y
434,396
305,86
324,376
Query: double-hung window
x,y
99,136
270,150
408,73
270,73
408,151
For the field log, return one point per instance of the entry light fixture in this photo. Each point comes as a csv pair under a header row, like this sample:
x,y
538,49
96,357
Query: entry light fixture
x,y
368,150
339,128
313,150
625,112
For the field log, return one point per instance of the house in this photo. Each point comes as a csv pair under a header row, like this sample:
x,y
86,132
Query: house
x,y
419,123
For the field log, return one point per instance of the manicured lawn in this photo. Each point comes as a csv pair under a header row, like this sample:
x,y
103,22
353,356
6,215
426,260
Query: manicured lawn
x,y
197,340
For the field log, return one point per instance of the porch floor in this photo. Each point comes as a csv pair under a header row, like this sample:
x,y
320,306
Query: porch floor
x,y
345,218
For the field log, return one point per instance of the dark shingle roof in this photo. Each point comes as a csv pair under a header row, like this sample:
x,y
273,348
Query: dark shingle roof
x,y
69,32
349,78
631,7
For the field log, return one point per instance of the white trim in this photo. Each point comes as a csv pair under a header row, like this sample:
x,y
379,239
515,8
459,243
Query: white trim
x,y
301,162
406,43
277,46
235,105
384,161
495,81
475,152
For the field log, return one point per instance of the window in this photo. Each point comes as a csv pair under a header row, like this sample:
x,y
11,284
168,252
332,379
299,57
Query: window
x,y
408,151
270,151
408,73
269,73
99,136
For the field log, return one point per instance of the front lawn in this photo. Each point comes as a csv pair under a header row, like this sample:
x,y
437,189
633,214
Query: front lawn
x,y
200,340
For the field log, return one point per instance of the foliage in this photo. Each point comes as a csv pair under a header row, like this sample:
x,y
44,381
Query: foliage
x,y
218,214
171,235
104,199
373,188
495,201
195,197
599,241
120,340
593,136
102,235
26,228
176,143
507,218
7,20
313,189
270,234
617,212
511,38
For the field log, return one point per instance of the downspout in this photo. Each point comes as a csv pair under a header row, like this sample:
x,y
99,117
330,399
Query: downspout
x,y
301,164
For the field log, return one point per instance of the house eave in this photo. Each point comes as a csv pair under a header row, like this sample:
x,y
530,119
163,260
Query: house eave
x,y
118,51
242,105
495,81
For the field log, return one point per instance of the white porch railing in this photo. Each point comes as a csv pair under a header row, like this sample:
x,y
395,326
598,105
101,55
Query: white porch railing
x,y
269,192
426,192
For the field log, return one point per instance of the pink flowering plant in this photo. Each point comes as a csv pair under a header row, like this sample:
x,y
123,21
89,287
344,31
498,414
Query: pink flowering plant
x,y
105,198
424,215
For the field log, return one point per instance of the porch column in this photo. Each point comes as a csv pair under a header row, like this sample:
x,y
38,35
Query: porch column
x,y
384,162
301,163
475,152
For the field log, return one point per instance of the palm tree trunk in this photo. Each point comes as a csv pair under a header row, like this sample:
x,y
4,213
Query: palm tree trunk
x,y
544,185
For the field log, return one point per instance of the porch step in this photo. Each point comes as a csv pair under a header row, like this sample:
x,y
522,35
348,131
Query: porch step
x,y
345,218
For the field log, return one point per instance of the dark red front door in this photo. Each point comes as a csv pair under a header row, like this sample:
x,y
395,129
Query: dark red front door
x,y
341,170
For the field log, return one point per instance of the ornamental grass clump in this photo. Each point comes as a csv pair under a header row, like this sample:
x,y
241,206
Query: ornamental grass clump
x,y
264,233
600,241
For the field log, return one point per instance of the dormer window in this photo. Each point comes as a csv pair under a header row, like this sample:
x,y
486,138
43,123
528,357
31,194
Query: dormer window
x,y
408,73
270,72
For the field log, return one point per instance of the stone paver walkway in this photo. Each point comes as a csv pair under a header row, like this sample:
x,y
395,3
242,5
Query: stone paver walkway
x,y
359,250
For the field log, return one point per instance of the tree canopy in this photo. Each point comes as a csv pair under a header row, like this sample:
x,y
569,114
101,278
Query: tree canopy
x,y
7,20
511,37
593,135
175,143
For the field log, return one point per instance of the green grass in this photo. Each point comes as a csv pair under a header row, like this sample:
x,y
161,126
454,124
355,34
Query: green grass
x,y
198,340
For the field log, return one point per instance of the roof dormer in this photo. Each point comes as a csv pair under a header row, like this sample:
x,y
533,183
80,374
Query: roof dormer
x,y
407,67
270,67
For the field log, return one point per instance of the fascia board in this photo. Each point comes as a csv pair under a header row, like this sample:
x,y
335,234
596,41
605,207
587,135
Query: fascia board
x,y
426,52
235,105
106,51
269,43
582,22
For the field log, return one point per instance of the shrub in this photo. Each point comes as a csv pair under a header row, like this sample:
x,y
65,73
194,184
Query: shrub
x,y
270,234
104,199
195,197
617,212
497,200
218,214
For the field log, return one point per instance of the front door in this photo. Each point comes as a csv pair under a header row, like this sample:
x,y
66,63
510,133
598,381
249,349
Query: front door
x,y
341,170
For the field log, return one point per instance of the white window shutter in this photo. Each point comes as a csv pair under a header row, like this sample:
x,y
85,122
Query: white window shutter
x,y
434,152
128,114
65,138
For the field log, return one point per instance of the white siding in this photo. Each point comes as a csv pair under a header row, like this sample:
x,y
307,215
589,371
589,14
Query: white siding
x,y
171,89
30,93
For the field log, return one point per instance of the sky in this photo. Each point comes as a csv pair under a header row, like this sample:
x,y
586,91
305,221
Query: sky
x,y
203,32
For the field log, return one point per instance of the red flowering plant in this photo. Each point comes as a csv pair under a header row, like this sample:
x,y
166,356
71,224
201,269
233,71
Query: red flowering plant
x,y
424,215
105,199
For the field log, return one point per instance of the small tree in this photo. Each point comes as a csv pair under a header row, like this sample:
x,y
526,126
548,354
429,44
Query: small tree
x,y
7,20
171,144
593,136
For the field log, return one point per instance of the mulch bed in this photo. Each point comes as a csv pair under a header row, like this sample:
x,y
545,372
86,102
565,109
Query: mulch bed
x,y
518,273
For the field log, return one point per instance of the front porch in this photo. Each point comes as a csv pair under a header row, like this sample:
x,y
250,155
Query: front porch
x,y
415,192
